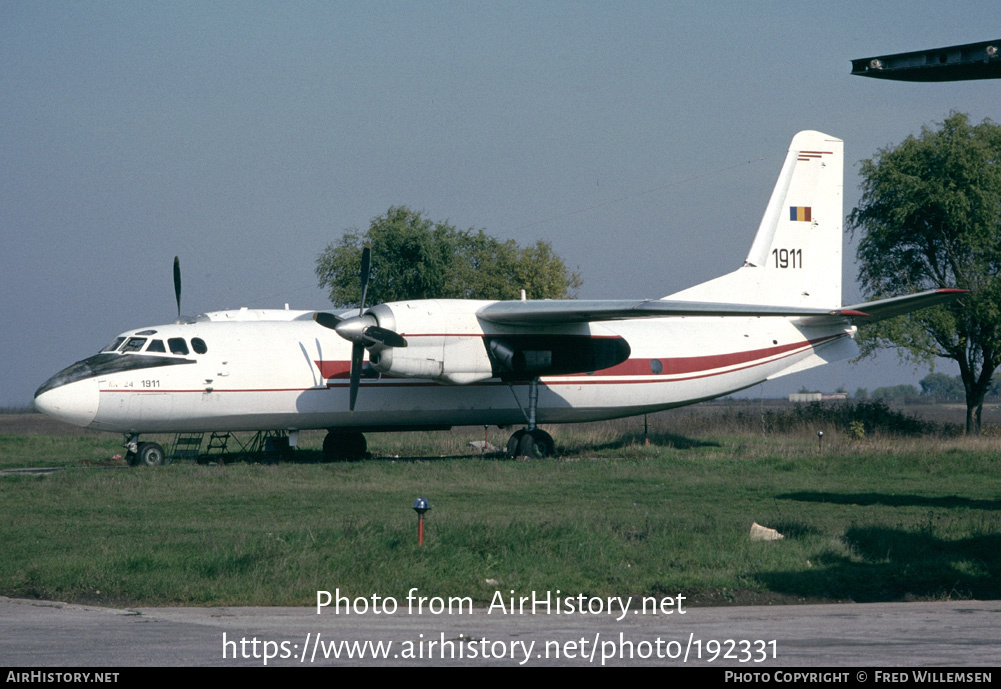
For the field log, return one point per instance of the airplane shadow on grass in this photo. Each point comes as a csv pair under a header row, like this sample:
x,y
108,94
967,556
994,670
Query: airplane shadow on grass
x,y
662,440
892,564
891,500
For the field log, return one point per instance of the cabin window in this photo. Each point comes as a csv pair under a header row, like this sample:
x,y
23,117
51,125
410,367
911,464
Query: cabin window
x,y
114,345
198,344
656,367
156,346
134,344
178,345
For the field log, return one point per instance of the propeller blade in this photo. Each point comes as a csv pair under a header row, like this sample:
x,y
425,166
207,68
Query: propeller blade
x,y
384,336
366,266
327,320
177,285
357,351
361,331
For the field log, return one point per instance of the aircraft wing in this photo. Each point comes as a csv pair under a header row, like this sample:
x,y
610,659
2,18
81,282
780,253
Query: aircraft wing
x,y
882,309
556,311
546,311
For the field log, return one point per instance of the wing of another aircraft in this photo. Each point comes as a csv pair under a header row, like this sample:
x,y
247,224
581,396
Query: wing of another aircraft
x,y
542,312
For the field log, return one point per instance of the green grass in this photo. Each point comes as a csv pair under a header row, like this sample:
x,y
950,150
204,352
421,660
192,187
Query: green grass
x,y
23,450
872,520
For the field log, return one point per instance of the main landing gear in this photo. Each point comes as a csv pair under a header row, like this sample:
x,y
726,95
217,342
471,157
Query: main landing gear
x,y
143,454
534,443
344,446
531,441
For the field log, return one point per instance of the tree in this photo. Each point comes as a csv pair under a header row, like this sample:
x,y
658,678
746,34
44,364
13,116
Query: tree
x,y
895,392
942,385
930,217
415,258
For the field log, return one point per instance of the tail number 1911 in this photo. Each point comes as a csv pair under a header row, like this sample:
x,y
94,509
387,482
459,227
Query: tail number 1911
x,y
788,258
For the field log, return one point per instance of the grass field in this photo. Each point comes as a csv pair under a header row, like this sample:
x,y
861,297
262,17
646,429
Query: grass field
x,y
869,516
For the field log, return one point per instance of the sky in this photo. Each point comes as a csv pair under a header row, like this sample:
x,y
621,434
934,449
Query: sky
x,y
642,139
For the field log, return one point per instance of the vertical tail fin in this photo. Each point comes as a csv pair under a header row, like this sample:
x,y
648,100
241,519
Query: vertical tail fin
x,y
795,259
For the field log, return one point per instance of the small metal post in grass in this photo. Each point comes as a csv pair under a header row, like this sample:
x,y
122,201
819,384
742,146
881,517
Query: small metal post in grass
x,y
646,437
420,507
820,441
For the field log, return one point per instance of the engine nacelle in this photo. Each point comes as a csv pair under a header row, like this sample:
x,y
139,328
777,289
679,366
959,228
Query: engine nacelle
x,y
451,360
447,343
444,342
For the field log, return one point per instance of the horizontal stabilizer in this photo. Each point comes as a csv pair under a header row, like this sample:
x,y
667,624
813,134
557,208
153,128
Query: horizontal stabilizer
x,y
882,309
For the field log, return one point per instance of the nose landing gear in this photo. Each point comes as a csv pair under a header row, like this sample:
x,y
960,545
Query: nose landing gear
x,y
143,454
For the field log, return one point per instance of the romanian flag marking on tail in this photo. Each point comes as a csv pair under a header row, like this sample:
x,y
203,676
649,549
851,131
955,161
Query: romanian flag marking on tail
x,y
799,213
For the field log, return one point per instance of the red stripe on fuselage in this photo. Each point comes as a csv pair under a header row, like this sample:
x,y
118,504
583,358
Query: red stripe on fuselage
x,y
642,367
696,364
334,369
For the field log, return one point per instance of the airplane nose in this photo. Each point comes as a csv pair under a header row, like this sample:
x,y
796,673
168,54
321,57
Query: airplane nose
x,y
74,403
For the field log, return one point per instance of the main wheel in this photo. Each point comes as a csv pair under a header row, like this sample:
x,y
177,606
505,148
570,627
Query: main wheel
x,y
344,446
544,443
149,455
514,443
535,444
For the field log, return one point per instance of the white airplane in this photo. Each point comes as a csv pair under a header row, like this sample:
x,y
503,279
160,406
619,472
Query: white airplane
x,y
438,363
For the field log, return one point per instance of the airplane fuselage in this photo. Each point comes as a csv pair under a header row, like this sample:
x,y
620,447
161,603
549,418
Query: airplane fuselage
x,y
279,370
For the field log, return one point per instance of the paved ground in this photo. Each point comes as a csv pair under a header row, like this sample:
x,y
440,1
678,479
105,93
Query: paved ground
x,y
966,633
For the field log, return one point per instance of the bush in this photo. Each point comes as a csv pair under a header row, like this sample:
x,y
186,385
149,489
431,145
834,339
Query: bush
x,y
857,418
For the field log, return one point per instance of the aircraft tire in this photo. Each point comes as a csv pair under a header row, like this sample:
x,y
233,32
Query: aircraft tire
x,y
514,443
150,455
536,444
544,442
341,446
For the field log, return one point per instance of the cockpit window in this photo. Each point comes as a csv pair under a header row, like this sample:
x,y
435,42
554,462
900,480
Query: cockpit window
x,y
156,346
198,344
114,345
178,345
134,344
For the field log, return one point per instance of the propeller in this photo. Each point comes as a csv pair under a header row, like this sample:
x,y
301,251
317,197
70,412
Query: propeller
x,y
177,285
362,330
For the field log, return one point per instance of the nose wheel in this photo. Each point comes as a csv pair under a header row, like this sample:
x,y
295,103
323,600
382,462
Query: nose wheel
x,y
143,454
